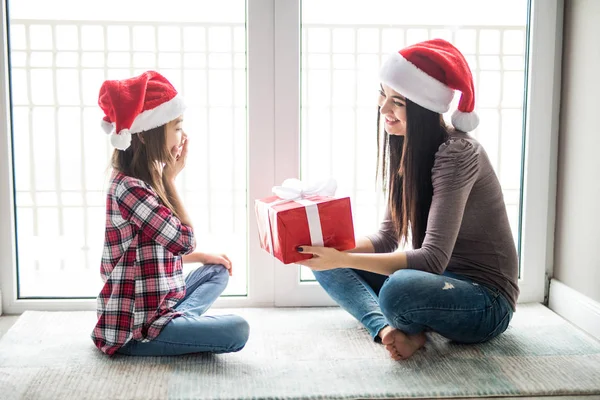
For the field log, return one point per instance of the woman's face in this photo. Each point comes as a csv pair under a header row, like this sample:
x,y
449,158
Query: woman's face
x,y
393,109
175,136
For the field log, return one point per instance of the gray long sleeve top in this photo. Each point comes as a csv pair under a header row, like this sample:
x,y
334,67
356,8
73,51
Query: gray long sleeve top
x,y
468,231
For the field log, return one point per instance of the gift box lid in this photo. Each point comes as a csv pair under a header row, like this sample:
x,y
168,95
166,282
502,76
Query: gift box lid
x,y
284,205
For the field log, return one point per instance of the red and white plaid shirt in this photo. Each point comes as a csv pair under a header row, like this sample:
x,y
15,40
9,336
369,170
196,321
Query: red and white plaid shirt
x,y
141,265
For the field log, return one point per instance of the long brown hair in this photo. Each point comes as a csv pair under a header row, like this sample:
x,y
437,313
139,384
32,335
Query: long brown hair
x,y
404,165
144,158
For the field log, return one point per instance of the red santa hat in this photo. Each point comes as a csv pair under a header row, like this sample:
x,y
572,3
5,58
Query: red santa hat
x,y
428,73
136,105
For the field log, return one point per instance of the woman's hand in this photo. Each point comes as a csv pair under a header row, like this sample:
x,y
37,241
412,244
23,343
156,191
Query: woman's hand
x,y
324,258
173,169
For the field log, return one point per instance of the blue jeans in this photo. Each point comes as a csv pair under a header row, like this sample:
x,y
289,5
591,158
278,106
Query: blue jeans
x,y
192,332
414,301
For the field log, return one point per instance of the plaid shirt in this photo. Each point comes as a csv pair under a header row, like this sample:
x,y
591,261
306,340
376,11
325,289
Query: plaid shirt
x,y
141,265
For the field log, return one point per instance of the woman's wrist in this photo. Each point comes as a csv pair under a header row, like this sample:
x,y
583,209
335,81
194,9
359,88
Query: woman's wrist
x,y
347,259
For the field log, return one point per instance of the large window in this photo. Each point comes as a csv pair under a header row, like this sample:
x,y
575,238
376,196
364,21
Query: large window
x,y
60,55
276,89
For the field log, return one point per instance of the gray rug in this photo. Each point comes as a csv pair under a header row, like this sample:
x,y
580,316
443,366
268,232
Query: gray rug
x,y
300,354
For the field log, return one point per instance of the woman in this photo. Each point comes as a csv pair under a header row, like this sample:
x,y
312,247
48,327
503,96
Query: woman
x,y
460,278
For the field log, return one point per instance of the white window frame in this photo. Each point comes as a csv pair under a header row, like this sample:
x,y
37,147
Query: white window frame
x,y
273,33
541,149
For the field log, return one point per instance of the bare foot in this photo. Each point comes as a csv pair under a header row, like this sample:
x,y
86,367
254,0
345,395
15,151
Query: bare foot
x,y
400,345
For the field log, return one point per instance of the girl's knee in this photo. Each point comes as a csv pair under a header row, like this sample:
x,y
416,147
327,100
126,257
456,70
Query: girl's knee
x,y
240,330
219,272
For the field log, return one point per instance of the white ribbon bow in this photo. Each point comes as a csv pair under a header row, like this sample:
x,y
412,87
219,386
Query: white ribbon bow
x,y
294,189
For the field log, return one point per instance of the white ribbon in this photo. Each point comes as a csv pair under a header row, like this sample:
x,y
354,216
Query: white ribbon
x,y
314,222
293,189
298,191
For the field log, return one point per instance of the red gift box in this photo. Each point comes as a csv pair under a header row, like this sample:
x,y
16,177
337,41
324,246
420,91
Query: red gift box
x,y
283,225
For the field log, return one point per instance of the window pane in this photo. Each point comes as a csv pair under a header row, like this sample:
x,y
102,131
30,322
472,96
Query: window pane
x,y
341,55
62,51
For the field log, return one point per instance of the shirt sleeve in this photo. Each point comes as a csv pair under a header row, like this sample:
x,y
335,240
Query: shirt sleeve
x,y
386,239
140,206
454,173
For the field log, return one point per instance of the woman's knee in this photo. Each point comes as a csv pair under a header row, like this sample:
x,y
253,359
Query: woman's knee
x,y
400,292
327,277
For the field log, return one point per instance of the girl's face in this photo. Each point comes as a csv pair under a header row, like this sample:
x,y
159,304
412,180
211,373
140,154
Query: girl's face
x,y
393,109
175,136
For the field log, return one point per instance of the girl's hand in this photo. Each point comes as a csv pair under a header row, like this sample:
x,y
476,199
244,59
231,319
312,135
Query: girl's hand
x,y
324,258
222,259
173,169
177,150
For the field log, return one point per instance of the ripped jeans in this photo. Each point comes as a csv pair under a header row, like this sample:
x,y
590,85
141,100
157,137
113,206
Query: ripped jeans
x,y
415,301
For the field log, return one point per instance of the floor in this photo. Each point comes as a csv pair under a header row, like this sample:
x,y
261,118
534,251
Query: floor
x,y
7,321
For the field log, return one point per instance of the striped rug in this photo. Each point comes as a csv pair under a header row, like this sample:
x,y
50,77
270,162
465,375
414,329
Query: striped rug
x,y
306,353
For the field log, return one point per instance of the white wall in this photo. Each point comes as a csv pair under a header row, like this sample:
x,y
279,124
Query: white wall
x,y
577,244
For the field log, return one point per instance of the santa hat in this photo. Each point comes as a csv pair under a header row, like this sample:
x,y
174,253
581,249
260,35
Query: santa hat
x,y
136,105
428,73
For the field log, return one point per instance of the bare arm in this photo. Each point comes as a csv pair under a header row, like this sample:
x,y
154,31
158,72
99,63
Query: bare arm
x,y
363,245
380,263
209,258
363,258
195,257
325,258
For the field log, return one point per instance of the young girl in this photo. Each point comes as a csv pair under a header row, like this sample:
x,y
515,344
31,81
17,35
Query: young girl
x,y
460,279
146,307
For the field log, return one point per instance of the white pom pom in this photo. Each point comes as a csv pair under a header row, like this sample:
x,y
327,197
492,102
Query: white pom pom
x,y
122,140
465,122
107,126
